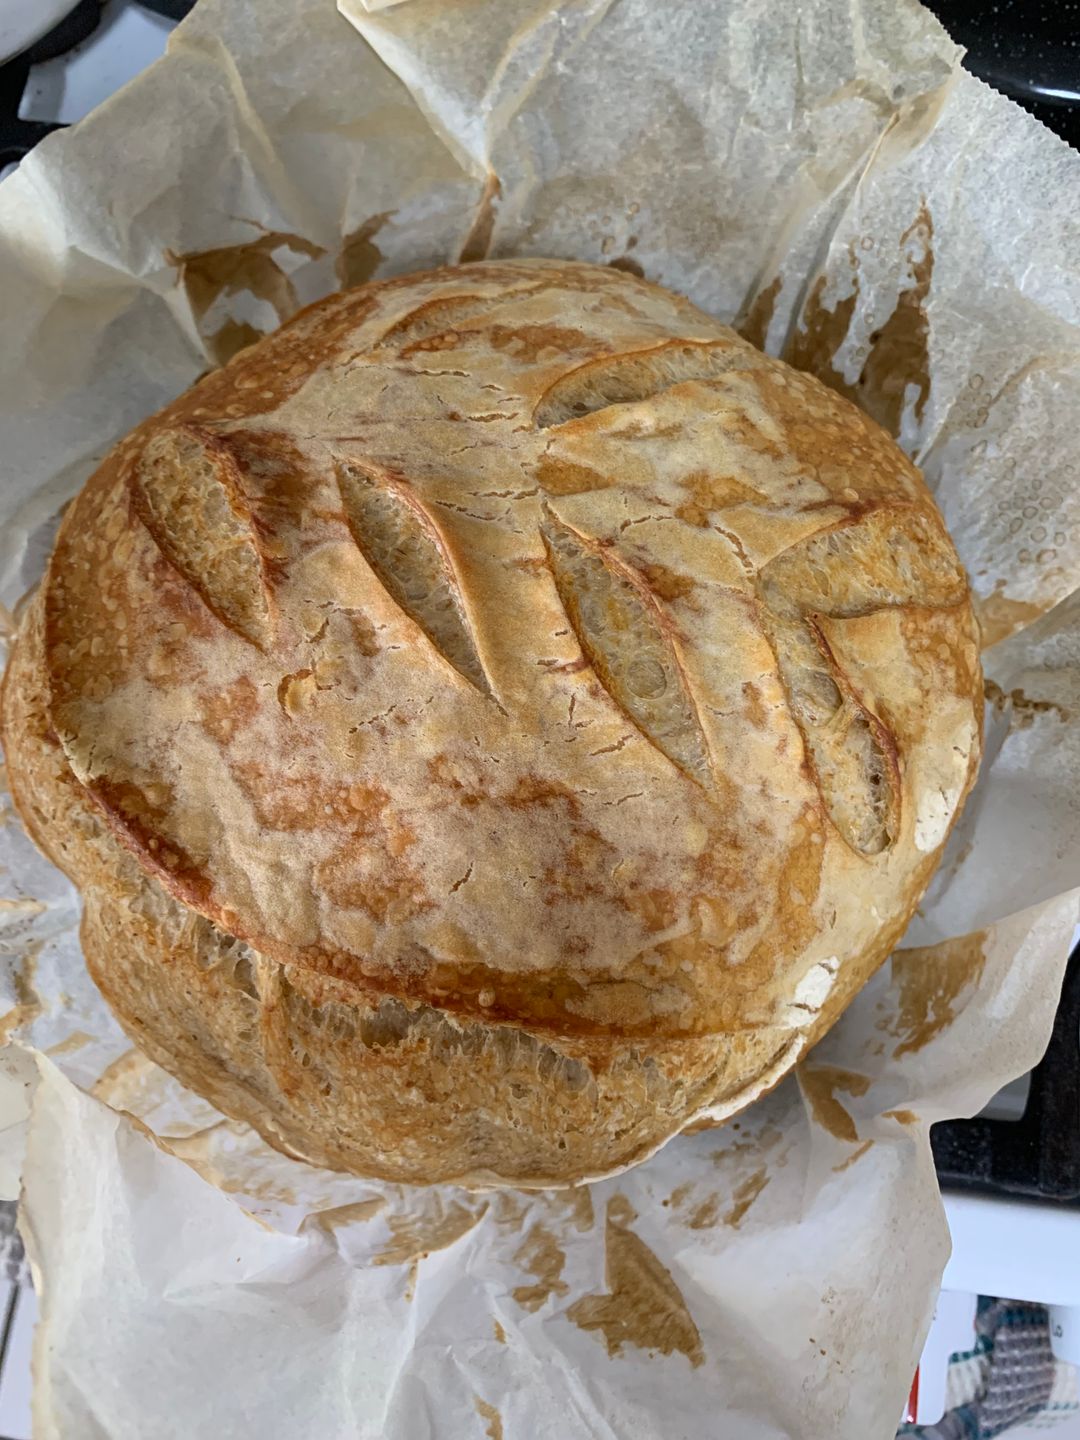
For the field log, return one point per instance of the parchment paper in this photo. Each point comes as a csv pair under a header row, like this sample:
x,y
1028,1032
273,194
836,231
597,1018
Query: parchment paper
x,y
824,176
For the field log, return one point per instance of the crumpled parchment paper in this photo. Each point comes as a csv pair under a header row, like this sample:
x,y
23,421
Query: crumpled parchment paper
x,y
824,176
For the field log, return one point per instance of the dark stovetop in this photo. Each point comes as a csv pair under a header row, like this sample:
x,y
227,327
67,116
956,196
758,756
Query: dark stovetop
x,y
17,136
1028,49
1035,1157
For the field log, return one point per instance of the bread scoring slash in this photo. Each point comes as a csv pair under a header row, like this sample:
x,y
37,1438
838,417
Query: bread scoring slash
x,y
495,722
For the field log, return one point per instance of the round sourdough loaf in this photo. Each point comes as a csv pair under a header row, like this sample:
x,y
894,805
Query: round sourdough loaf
x,y
495,722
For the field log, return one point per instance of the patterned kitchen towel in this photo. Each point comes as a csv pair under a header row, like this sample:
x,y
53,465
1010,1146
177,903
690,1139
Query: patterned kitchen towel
x,y
1011,1377
13,1266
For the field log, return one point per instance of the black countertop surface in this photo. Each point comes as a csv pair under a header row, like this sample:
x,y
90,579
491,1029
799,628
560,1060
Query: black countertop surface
x,y
1028,49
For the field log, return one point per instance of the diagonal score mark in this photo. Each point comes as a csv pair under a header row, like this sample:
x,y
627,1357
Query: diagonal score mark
x,y
638,375
886,559
398,540
852,755
621,633
433,324
186,489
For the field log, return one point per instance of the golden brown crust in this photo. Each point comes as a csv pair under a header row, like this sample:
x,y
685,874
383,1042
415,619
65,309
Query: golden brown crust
x,y
321,1069
516,661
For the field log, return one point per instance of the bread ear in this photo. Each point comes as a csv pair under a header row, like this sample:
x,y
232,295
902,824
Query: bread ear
x,y
623,635
403,548
627,378
187,490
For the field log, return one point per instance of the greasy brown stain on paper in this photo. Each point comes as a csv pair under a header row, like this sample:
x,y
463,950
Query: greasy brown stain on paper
x,y
679,1194
268,1189
642,1306
930,982
234,336
494,1427
118,1074
748,1145
855,1155
821,332
1024,707
500,1333
133,1084
705,1215
27,1005
540,1255
77,1040
898,355
956,860
575,1204
210,275
708,1212
415,1236
197,1150
899,350
819,1083
359,256
755,327
341,1215
745,1195
28,908
903,1117
511,1207
478,241
999,616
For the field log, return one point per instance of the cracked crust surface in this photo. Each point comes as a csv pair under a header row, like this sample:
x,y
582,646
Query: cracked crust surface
x,y
517,713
